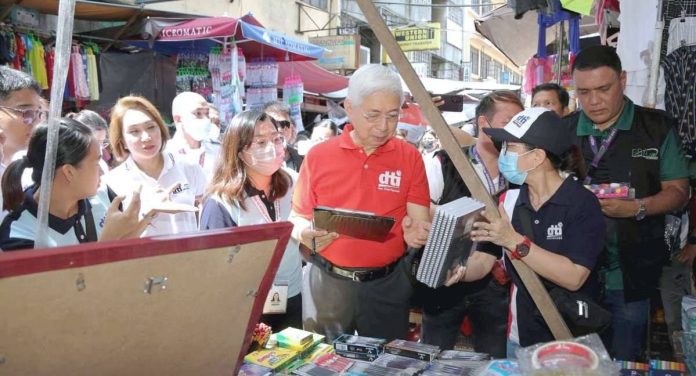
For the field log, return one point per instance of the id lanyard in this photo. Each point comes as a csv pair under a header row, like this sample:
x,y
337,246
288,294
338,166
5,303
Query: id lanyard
x,y
264,212
599,153
492,189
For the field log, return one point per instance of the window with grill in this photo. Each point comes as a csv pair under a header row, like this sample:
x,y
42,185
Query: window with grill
x,y
321,4
474,58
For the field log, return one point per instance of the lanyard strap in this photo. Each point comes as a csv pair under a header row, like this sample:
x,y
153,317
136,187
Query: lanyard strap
x,y
599,153
264,211
492,189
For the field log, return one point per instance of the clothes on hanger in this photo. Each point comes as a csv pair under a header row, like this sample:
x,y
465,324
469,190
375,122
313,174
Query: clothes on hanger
x,y
680,94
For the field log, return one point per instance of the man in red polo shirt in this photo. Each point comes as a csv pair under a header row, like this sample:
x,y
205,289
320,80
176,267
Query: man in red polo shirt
x,y
353,284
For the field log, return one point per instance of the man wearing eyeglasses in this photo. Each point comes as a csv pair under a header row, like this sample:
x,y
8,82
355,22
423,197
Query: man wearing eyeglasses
x,y
280,112
624,143
354,284
20,111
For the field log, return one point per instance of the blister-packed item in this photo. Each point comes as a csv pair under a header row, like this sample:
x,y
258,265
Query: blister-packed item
x,y
500,367
582,356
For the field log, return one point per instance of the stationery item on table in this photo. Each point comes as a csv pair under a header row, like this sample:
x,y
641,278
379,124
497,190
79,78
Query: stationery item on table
x,y
413,350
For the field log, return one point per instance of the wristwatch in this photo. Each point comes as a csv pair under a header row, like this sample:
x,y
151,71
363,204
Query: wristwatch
x,y
691,240
641,210
522,249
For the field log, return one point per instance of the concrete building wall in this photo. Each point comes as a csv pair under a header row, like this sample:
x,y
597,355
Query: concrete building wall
x,y
291,17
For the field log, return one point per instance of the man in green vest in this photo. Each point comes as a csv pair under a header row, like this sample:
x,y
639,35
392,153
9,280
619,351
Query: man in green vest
x,y
625,143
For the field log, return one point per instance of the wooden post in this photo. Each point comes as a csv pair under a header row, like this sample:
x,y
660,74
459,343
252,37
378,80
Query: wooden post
x,y
541,297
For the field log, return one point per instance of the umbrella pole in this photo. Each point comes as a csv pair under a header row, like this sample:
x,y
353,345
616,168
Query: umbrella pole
x,y
66,12
559,51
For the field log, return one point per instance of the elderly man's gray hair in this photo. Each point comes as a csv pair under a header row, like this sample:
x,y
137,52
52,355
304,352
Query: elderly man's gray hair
x,y
370,79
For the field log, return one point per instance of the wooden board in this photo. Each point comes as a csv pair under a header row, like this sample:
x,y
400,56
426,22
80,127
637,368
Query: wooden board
x,y
85,310
454,150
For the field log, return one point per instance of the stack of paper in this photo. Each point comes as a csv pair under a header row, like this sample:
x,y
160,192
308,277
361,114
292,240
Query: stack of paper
x,y
448,242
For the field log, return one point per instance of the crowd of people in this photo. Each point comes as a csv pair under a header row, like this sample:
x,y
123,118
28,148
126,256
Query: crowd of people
x,y
128,178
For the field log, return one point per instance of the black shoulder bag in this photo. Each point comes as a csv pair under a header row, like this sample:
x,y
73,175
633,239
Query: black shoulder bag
x,y
581,313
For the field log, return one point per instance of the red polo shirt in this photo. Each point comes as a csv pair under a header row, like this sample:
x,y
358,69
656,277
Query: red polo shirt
x,y
337,173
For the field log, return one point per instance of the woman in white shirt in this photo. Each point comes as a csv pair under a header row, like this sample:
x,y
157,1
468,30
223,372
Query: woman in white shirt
x,y
249,187
138,136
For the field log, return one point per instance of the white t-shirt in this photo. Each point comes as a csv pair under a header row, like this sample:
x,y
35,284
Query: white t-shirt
x,y
436,181
125,178
206,156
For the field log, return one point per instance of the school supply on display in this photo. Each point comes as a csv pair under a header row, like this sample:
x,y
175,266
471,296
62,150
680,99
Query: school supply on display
x,y
501,367
297,339
448,242
408,366
274,359
250,369
359,344
582,356
371,369
353,223
612,190
413,350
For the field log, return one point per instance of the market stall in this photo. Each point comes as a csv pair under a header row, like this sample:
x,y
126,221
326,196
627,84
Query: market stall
x,y
237,62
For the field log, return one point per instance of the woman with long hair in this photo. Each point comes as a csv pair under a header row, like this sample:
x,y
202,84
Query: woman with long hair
x,y
79,210
171,187
249,187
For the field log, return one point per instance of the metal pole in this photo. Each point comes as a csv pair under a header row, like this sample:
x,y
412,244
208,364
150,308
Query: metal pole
x,y
559,51
66,12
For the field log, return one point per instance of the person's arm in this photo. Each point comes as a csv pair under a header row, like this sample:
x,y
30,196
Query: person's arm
x,y
552,266
674,193
673,196
215,215
302,213
416,225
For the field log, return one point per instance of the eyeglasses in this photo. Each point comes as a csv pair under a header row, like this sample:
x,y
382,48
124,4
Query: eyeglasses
x,y
284,123
105,144
262,143
29,116
376,117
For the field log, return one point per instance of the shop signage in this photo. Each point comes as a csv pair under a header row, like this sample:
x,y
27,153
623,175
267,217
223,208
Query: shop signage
x,y
179,32
418,38
341,51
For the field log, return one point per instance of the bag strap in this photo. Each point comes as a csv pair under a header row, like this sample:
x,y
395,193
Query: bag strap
x,y
89,223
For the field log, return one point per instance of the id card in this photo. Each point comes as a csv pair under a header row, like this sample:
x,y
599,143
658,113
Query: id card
x,y
277,300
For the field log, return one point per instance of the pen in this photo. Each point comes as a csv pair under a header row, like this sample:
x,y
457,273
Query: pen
x,y
314,239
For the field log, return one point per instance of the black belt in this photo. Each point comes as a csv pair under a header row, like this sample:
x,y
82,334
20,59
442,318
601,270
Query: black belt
x,y
357,275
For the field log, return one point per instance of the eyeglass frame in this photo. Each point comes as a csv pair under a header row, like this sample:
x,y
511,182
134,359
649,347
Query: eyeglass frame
x,y
389,117
42,115
255,145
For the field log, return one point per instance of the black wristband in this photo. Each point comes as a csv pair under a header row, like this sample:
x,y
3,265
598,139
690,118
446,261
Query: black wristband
x,y
691,239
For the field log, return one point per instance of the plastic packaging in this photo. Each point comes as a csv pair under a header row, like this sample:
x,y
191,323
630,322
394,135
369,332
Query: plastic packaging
x,y
584,356
293,94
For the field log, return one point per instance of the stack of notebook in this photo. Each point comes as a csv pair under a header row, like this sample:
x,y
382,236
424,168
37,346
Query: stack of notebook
x,y
448,242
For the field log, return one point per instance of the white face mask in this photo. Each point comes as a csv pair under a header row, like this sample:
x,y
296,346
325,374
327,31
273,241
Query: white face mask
x,y
198,129
266,161
214,133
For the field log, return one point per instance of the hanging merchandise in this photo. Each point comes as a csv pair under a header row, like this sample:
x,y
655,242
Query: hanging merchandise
x,y
539,70
293,94
227,87
680,94
262,79
192,74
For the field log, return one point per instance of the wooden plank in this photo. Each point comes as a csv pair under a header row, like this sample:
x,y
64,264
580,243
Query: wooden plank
x,y
541,298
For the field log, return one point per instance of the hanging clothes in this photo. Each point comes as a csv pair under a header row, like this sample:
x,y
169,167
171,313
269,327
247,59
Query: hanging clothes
x,y
680,94
38,63
79,77
92,75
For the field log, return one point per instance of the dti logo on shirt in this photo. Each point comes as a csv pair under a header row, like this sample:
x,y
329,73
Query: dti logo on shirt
x,y
390,181
555,232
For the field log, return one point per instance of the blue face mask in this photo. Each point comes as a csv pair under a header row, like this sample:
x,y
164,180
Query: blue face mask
x,y
507,165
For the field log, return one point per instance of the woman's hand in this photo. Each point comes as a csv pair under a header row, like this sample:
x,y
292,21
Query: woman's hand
x,y
496,230
125,224
455,275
